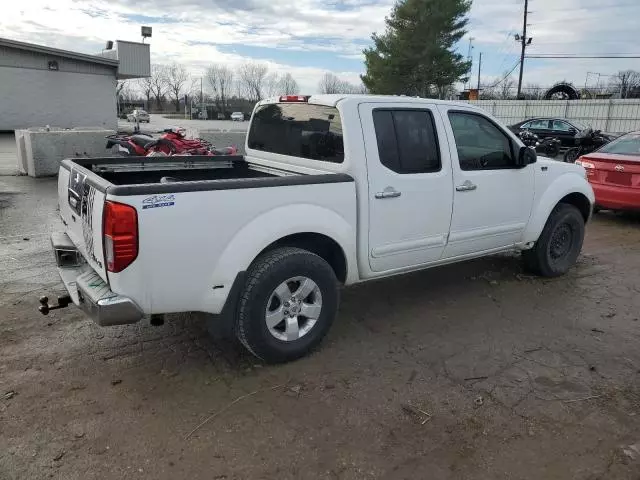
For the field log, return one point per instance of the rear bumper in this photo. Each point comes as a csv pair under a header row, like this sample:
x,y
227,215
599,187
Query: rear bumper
x,y
87,289
616,198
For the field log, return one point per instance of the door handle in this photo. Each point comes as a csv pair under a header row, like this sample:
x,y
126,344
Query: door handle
x,y
467,186
388,193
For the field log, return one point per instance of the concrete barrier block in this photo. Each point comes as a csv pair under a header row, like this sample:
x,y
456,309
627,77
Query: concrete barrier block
x,y
46,148
21,151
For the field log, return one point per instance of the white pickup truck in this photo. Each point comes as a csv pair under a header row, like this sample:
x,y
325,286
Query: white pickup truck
x,y
333,190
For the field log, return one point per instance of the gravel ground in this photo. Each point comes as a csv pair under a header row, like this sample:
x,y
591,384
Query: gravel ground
x,y
473,371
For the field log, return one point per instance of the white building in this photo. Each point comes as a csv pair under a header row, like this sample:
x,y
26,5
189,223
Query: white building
x,y
46,86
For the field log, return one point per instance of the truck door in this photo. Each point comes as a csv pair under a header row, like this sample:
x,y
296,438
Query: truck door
x,y
492,198
410,184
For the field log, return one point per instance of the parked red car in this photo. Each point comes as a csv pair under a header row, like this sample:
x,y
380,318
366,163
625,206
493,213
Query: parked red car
x,y
614,173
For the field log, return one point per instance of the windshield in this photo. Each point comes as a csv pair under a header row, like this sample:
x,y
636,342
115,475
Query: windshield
x,y
628,144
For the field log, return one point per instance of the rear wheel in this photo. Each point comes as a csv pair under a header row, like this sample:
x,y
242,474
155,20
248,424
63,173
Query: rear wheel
x,y
560,242
288,304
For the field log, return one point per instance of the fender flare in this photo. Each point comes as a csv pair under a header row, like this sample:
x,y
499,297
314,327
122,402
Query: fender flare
x,y
566,184
254,237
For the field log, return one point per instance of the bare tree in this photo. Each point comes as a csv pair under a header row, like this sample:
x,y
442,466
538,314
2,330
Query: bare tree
x,y
220,79
506,86
157,83
329,83
288,85
144,84
177,78
251,80
533,91
272,84
625,81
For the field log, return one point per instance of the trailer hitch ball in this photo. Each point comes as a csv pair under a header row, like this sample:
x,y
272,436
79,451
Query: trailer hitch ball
x,y
45,308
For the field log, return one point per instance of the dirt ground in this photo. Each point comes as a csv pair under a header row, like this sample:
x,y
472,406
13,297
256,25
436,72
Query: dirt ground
x,y
475,371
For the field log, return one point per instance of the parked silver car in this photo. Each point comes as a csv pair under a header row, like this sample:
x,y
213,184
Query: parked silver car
x,y
140,115
237,117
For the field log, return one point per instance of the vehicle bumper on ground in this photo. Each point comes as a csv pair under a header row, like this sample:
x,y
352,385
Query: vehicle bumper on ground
x,y
617,198
88,290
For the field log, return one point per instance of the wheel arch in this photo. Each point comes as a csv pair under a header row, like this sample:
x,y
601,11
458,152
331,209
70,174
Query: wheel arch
x,y
313,227
571,189
322,245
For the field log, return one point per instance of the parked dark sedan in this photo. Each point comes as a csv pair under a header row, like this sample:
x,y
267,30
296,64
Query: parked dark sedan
x,y
561,128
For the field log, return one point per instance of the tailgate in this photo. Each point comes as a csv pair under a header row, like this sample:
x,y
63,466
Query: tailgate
x,y
81,205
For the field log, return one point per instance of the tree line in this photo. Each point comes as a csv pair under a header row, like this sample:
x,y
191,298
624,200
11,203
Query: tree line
x,y
222,85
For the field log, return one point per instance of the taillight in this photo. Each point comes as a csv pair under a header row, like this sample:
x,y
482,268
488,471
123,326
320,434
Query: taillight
x,y
587,165
120,229
294,98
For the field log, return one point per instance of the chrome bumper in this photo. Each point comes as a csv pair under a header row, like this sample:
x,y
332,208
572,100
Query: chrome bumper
x,y
88,290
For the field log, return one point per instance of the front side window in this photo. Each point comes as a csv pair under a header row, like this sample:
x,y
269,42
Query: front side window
x,y
480,143
539,124
407,140
298,130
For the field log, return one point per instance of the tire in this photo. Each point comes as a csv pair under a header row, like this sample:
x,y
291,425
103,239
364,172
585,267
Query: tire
x,y
553,150
266,277
571,155
559,245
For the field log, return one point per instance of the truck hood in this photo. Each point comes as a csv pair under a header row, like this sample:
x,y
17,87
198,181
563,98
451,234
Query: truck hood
x,y
560,167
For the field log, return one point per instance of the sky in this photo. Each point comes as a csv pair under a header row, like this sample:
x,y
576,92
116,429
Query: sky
x,y
310,37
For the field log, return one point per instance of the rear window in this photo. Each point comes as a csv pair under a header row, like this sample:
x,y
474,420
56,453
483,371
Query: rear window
x,y
299,130
626,145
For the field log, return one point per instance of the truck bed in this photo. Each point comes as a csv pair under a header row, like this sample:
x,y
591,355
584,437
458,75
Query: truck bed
x,y
148,170
190,227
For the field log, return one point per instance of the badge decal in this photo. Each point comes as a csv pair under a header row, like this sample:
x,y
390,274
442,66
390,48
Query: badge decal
x,y
159,201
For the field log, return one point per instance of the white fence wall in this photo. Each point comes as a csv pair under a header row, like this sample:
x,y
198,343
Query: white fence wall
x,y
617,116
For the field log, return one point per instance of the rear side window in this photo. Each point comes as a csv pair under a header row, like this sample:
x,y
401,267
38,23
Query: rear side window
x,y
299,130
407,140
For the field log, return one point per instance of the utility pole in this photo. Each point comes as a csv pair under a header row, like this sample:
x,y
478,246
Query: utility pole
x,y
479,69
525,42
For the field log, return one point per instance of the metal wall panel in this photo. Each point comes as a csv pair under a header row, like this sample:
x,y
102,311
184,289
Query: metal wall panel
x,y
616,115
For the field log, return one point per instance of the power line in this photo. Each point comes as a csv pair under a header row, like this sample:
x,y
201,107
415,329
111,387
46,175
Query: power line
x,y
567,56
595,7
505,77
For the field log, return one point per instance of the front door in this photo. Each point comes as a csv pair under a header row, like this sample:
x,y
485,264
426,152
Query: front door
x,y
492,196
410,184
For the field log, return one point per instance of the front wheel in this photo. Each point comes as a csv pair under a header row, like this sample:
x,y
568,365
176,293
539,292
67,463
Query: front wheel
x,y
571,155
560,242
288,304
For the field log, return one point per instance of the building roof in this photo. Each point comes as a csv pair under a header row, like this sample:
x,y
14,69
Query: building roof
x,y
31,47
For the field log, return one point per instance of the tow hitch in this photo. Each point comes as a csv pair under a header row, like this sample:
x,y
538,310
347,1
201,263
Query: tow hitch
x,y
45,308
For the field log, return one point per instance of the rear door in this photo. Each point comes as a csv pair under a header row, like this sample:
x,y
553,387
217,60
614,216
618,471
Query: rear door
x,y
541,127
564,131
410,184
81,205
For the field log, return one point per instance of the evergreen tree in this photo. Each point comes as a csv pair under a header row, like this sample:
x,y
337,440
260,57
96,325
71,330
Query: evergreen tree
x,y
415,55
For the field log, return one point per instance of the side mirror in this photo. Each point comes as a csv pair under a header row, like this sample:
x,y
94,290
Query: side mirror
x,y
526,156
573,130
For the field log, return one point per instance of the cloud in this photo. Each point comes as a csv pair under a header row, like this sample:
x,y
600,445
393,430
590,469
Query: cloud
x,y
326,35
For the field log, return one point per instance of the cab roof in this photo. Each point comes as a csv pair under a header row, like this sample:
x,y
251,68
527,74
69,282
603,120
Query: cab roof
x,y
331,100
